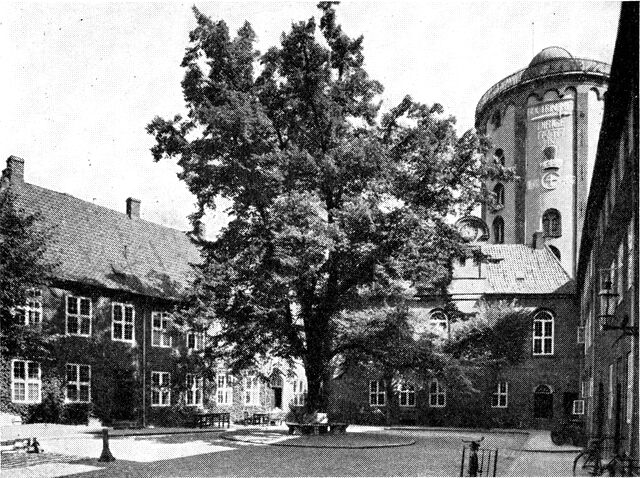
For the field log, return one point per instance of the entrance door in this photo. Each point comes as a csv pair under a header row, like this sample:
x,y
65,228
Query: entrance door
x,y
543,402
276,384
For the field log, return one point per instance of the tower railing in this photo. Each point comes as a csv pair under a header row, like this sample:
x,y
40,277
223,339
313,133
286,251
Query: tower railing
x,y
544,69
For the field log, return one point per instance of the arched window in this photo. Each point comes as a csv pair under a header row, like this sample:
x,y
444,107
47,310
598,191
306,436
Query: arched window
x,y
543,333
498,230
543,402
439,323
498,191
499,156
437,394
555,251
496,119
551,223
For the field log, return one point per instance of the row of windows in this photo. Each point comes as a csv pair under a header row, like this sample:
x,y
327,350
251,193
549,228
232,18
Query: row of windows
x,y
78,321
551,221
437,394
26,386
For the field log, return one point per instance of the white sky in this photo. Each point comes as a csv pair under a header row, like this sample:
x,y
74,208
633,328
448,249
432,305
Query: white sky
x,y
80,81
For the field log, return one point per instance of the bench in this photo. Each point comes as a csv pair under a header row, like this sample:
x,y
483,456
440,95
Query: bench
x,y
125,424
317,428
209,419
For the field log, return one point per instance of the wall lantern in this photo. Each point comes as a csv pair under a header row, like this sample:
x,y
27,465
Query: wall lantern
x,y
608,303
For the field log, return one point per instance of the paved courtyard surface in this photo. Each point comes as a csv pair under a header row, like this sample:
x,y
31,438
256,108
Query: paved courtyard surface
x,y
419,453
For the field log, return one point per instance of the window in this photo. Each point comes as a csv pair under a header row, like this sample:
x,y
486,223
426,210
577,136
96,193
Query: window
x,y
439,323
620,274
551,223
543,333
498,230
299,391
26,383
194,390
160,389
629,387
498,191
630,255
499,156
437,394
251,390
160,324
407,395
122,322
581,334
78,316
224,388
78,383
578,407
195,340
31,312
377,394
610,398
500,396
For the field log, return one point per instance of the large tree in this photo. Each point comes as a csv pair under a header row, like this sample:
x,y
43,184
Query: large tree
x,y
332,202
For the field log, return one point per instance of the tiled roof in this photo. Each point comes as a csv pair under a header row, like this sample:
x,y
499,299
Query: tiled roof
x,y
105,248
515,269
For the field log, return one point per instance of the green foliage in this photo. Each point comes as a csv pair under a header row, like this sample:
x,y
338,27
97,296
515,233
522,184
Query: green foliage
x,y
332,202
496,335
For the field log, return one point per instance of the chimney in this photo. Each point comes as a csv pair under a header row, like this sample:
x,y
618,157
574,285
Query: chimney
x,y
14,173
133,208
538,240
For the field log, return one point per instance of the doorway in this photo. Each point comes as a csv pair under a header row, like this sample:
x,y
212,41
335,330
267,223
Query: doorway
x,y
543,402
276,384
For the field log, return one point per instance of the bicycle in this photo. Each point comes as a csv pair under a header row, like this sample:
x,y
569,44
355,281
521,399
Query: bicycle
x,y
596,460
568,432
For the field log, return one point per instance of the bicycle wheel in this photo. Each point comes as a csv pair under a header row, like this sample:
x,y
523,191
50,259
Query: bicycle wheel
x,y
585,463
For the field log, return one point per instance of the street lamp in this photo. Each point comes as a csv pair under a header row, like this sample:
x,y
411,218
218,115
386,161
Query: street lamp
x,y
608,302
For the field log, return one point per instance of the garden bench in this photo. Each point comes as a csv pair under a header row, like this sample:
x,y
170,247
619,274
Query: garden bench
x,y
209,419
317,428
124,424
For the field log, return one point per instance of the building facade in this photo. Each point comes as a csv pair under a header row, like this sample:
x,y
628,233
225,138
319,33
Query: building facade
x,y
607,278
109,306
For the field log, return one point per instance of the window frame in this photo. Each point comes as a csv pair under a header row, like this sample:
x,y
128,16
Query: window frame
x,y
198,345
78,316
194,384
26,381
552,223
499,192
500,393
406,390
251,390
498,230
436,323
542,338
123,322
29,309
377,394
577,408
162,389
440,391
299,392
224,391
164,331
77,383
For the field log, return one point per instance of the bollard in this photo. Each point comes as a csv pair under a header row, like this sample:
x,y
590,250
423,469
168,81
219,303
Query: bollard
x,y
106,453
34,446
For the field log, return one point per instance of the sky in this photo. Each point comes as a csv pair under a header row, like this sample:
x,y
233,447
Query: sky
x,y
80,81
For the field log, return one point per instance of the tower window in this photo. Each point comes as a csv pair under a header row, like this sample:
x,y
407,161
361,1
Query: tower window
x,y
551,223
498,191
498,230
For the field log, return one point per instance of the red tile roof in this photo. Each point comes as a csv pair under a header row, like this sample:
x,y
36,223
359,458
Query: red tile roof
x,y
105,248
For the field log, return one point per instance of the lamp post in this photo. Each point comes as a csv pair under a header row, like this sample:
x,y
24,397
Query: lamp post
x,y
608,303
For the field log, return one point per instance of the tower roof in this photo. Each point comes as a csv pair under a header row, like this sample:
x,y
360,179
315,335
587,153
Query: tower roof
x,y
550,53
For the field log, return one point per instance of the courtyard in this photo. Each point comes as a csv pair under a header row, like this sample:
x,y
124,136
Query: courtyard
x,y
366,451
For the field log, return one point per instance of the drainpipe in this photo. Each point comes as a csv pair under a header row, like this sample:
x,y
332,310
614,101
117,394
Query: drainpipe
x,y
144,372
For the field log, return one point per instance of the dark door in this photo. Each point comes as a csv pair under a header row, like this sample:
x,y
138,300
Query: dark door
x,y
277,397
543,402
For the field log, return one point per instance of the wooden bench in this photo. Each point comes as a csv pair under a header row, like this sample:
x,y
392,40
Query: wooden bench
x,y
125,424
317,428
209,419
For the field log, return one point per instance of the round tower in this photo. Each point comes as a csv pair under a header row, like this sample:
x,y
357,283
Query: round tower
x,y
544,122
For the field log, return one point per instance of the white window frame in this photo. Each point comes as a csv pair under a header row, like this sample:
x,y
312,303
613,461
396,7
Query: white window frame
x,y
630,370
31,311
195,385
299,393
123,322
434,396
580,339
500,398
620,275
224,388
610,397
251,390
407,395
79,317
163,331
198,340
543,337
163,389
26,381
77,383
377,393
578,407
630,256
